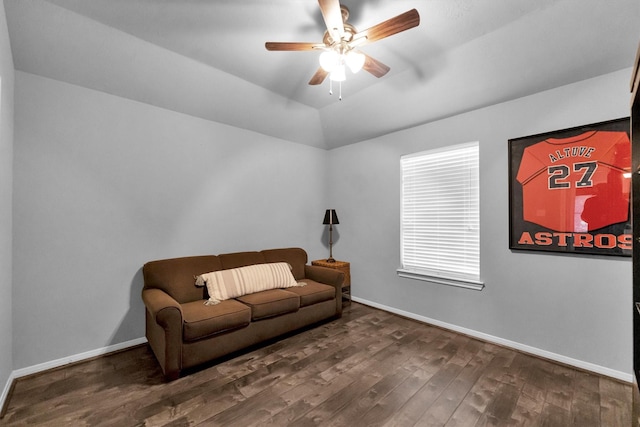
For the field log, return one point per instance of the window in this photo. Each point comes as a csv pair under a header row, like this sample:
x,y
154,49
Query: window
x,y
440,216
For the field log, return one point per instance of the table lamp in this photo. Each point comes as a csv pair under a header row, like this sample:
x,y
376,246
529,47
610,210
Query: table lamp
x,y
330,218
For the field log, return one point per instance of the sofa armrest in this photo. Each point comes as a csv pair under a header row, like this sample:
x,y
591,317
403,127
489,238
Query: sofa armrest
x,y
325,275
164,330
328,276
162,307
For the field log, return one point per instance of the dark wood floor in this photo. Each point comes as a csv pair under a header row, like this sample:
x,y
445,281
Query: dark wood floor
x,y
370,368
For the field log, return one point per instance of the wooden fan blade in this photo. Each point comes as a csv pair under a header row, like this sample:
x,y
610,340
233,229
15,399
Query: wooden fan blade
x,y
292,46
332,18
318,77
387,28
374,66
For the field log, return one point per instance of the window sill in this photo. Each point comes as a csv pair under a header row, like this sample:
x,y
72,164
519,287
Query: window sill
x,y
476,286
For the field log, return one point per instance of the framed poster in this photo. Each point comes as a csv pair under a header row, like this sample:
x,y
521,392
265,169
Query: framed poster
x,y
569,190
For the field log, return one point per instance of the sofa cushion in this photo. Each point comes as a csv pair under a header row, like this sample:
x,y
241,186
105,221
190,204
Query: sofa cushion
x,y
313,292
201,320
235,282
271,303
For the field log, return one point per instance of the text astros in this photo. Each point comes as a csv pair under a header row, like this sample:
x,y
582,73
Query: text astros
x,y
574,186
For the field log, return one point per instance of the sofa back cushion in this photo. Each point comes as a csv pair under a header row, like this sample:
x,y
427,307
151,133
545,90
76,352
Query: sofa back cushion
x,y
296,257
176,276
241,259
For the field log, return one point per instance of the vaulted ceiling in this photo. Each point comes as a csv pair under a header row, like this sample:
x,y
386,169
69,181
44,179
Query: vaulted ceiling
x,y
207,58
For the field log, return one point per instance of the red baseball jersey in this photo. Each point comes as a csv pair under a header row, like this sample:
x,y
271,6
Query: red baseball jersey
x,y
577,184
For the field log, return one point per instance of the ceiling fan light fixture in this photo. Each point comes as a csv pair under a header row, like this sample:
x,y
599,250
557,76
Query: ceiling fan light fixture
x,y
338,74
329,60
341,40
355,61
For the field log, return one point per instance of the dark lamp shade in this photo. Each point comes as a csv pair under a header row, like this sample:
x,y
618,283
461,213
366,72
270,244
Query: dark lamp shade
x,y
330,217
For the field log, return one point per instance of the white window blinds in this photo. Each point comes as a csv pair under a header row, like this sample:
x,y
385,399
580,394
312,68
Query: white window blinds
x,y
440,214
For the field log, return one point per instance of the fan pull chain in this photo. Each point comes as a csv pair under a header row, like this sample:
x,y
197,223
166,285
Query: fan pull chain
x,y
339,89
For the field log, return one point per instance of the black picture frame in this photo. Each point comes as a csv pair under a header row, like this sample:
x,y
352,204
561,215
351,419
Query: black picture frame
x,y
569,190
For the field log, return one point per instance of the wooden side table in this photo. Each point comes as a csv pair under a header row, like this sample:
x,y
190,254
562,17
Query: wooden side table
x,y
343,266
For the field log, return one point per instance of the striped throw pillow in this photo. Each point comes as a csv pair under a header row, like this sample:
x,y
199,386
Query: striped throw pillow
x,y
235,282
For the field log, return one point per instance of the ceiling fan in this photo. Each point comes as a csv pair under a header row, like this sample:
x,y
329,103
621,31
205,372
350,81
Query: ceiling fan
x,y
341,40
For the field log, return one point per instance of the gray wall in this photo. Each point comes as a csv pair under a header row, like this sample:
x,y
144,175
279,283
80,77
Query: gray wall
x,y
568,306
104,184
6,179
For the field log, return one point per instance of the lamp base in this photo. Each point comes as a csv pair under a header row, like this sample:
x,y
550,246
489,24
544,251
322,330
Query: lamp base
x,y
331,259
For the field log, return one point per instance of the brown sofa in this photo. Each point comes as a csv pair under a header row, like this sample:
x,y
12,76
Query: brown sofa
x,y
184,332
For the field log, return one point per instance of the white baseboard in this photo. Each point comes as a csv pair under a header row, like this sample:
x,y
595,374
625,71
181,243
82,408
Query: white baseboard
x,y
76,358
64,361
5,392
622,376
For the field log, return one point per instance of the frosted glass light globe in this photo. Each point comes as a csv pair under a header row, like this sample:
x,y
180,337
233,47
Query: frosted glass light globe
x,y
329,60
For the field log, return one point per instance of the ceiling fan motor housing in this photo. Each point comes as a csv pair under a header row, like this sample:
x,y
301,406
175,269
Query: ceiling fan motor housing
x,y
349,30
347,36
